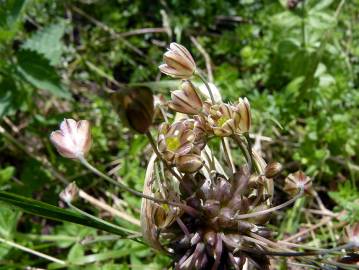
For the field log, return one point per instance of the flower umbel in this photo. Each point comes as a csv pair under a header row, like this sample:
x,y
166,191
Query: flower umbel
x,y
73,139
179,62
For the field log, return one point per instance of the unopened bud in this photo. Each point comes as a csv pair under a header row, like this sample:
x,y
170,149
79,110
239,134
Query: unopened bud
x,y
73,139
179,62
186,100
273,169
189,163
244,109
70,193
297,181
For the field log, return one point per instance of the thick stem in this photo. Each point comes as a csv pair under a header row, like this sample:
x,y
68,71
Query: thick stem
x,y
266,211
186,208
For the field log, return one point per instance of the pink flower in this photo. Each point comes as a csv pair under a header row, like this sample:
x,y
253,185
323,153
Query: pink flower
x,y
73,140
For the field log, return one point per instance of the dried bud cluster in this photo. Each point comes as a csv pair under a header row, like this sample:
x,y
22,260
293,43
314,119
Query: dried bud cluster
x,y
215,237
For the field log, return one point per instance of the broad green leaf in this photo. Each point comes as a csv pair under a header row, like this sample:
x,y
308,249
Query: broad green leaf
x,y
47,42
321,5
36,70
53,212
75,252
10,11
6,174
8,219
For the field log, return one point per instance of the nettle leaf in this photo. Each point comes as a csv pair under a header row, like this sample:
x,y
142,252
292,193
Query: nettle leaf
x,y
10,96
48,42
36,70
10,11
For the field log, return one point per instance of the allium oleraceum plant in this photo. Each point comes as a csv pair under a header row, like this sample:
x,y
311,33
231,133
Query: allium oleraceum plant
x,y
201,207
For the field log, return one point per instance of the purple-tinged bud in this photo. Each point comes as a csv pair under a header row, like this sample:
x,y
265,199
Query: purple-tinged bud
x,y
211,207
73,140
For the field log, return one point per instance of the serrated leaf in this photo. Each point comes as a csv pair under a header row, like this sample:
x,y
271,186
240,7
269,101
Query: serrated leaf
x,y
36,70
10,97
47,42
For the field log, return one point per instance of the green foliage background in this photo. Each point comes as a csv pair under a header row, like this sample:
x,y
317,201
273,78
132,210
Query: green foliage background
x,y
298,67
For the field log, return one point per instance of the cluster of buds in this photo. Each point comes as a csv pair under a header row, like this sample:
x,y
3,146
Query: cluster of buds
x,y
181,143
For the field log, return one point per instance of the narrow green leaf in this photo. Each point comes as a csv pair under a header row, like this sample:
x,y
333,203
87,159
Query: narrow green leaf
x,y
53,212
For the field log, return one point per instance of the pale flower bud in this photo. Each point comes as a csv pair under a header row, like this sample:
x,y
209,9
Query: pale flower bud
x,y
353,234
179,62
244,110
297,181
189,163
273,169
69,193
73,140
186,100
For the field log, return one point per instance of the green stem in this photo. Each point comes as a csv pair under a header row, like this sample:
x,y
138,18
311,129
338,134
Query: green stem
x,y
31,251
266,211
186,208
249,147
303,25
226,153
207,86
158,154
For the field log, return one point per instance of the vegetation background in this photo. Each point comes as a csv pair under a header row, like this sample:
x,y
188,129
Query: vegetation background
x,y
296,61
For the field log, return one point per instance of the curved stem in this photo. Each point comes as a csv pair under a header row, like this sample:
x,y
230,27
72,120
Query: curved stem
x,y
266,211
158,154
31,251
249,147
298,253
227,155
186,208
207,86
